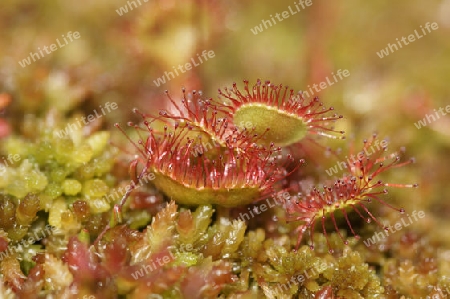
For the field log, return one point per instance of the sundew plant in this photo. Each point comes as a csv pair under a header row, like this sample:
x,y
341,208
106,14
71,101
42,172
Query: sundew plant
x,y
140,249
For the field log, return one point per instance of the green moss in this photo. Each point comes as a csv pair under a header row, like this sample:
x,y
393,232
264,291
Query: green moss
x,y
71,187
95,188
352,275
54,190
45,178
186,259
98,142
27,178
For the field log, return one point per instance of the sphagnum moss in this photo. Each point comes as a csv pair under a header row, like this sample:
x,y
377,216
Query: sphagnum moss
x,y
46,181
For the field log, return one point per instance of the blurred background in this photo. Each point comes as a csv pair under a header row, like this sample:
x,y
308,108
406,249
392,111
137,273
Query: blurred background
x,y
125,46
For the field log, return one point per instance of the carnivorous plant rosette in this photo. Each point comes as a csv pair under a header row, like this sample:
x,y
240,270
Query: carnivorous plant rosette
x,y
239,172
351,192
283,117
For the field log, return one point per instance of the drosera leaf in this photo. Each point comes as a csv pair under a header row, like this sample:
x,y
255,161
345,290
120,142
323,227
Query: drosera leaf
x,y
200,196
350,193
229,180
276,113
284,128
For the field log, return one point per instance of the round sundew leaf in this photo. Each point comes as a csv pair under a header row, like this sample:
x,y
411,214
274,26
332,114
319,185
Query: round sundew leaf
x,y
285,128
226,197
203,141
